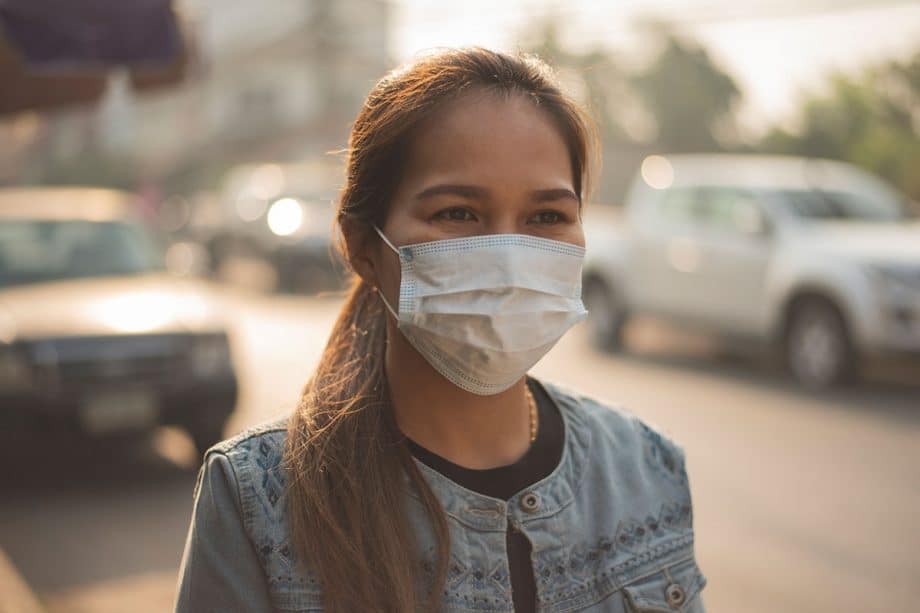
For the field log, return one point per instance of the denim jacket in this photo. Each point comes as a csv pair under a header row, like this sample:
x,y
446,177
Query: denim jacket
x,y
611,527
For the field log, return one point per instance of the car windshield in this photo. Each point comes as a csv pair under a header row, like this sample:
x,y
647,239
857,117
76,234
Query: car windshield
x,y
840,205
33,251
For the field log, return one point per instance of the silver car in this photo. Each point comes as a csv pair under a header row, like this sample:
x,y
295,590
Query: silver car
x,y
816,258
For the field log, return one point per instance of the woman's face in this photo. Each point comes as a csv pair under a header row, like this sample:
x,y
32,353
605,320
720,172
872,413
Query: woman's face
x,y
484,164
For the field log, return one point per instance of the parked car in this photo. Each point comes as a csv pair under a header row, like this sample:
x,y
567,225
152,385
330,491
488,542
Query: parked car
x,y
815,258
283,214
96,337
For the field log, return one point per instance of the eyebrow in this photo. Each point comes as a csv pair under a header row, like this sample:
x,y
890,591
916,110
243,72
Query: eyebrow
x,y
472,192
464,191
548,195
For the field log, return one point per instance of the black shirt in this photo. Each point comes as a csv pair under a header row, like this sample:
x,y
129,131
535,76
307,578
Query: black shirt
x,y
505,481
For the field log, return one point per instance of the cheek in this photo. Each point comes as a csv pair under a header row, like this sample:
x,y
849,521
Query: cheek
x,y
578,235
386,265
573,233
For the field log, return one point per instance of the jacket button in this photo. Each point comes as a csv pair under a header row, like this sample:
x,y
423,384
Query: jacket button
x,y
675,595
530,502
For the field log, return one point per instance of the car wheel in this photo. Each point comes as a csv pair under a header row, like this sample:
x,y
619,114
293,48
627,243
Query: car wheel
x,y
206,436
817,346
606,315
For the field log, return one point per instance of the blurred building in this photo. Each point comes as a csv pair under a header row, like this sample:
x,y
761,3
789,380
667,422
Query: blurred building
x,y
274,79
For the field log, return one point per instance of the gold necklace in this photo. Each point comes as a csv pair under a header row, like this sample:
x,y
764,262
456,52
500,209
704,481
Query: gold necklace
x,y
532,406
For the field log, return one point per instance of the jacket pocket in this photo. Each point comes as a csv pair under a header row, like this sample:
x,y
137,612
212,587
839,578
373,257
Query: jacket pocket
x,y
675,588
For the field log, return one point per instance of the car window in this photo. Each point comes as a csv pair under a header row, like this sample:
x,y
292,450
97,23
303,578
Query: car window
x,y
678,206
820,204
729,209
33,251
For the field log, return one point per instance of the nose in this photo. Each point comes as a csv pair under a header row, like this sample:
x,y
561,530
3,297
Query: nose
x,y
504,223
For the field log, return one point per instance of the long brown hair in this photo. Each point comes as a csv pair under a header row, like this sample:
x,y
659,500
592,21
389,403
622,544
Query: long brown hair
x,y
345,456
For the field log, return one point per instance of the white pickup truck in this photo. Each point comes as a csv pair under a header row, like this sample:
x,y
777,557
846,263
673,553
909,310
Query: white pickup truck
x,y
812,257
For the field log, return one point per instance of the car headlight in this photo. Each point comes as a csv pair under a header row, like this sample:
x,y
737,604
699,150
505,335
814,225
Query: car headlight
x,y
15,373
285,216
211,355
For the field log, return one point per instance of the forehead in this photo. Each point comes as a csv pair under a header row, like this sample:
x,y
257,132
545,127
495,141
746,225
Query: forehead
x,y
490,137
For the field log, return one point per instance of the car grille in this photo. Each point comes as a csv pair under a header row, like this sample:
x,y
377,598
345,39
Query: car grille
x,y
92,361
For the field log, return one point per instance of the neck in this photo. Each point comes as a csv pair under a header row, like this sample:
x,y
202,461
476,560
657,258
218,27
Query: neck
x,y
469,430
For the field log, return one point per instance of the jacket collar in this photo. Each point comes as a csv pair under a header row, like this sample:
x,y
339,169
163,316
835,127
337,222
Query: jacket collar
x,y
543,499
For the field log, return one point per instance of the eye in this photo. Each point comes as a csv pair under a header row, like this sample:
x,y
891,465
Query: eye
x,y
547,218
455,213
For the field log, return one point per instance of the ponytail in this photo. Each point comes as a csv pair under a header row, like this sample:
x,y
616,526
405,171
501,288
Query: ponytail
x,y
346,459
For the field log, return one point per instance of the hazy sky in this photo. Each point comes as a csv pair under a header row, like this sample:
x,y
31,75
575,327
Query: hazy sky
x,y
774,48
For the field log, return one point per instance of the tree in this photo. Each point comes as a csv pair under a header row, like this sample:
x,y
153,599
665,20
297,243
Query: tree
x,y
690,98
871,120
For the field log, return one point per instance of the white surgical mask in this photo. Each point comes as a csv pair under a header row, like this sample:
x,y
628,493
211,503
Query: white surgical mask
x,y
483,310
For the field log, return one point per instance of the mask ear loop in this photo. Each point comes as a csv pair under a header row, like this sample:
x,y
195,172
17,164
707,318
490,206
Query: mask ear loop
x,y
386,240
377,289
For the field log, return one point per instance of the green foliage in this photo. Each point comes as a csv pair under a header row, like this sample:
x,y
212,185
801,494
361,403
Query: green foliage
x,y
688,95
871,120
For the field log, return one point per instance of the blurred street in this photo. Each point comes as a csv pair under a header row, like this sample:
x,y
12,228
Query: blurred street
x,y
804,502
171,174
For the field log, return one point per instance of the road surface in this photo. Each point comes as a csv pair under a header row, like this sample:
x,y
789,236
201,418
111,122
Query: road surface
x,y
803,502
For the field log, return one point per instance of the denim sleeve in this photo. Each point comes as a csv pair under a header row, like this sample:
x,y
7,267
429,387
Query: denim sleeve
x,y
220,569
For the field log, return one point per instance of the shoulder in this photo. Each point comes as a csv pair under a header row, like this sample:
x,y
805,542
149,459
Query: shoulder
x,y
271,433
255,457
620,438
254,460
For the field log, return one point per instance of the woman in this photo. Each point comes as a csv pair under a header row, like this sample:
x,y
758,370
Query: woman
x,y
423,470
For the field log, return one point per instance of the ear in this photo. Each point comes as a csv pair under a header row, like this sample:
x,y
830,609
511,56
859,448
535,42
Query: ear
x,y
359,242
